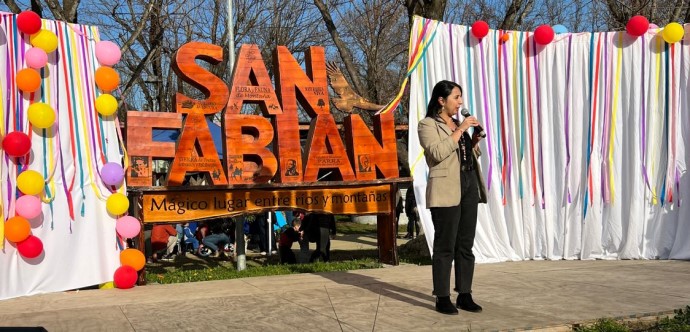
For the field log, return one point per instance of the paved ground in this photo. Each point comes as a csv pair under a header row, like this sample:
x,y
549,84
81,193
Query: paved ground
x,y
515,295
539,295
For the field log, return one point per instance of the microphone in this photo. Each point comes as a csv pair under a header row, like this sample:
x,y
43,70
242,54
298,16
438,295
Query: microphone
x,y
466,113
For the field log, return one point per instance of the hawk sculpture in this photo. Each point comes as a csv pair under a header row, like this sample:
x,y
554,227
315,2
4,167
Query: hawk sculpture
x,y
346,98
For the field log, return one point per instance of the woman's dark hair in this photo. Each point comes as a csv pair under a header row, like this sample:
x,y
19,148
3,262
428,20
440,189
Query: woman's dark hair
x,y
441,89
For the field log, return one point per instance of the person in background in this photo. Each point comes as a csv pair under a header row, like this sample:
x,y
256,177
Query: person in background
x,y
303,256
287,238
218,238
412,214
190,237
398,210
163,238
454,190
326,231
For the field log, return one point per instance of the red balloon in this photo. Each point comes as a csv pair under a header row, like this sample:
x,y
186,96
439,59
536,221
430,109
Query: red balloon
x,y
480,29
28,22
125,277
16,144
31,247
637,25
543,34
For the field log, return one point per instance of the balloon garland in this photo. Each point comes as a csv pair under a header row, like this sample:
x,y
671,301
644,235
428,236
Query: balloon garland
x,y
17,144
637,26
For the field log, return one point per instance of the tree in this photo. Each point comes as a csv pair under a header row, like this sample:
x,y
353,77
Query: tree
x,y
659,12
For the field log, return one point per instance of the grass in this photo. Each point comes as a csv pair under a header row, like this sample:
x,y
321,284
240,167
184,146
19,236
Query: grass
x,y
190,269
348,227
680,322
163,275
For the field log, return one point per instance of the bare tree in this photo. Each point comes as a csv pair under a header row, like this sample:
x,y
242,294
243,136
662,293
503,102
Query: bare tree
x,y
659,12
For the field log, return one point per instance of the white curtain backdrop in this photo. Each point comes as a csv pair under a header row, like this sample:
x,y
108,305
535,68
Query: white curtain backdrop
x,y
79,251
585,154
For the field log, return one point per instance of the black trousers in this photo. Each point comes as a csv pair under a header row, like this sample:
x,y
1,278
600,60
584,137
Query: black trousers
x,y
287,256
323,246
454,229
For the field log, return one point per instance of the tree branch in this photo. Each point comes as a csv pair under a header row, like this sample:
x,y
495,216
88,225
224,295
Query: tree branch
x,y
342,48
137,31
12,5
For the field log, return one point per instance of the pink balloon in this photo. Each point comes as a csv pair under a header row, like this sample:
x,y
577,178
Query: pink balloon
x,y
107,53
28,206
128,227
31,247
36,58
112,174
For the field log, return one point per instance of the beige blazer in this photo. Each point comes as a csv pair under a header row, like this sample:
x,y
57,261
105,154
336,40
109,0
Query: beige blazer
x,y
440,151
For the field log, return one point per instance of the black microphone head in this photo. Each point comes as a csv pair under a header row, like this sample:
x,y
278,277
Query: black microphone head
x,y
465,112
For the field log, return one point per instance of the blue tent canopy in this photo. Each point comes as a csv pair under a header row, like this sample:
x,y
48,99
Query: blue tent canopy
x,y
171,135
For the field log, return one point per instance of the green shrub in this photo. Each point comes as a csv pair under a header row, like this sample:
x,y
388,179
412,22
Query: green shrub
x,y
604,325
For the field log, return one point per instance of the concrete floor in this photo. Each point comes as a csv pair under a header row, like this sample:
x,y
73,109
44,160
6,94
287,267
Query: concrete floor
x,y
531,295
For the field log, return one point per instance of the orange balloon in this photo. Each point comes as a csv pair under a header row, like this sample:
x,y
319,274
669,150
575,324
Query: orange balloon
x,y
133,258
28,80
17,229
107,79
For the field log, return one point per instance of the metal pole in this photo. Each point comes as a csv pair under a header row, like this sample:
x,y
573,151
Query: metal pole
x,y
239,226
270,234
231,39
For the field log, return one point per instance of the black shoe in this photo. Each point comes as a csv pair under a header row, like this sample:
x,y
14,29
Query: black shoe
x,y
444,306
465,302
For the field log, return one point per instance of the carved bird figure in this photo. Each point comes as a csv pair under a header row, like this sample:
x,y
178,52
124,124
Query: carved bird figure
x,y
347,97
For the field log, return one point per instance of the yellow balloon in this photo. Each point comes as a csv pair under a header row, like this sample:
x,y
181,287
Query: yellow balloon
x,y
106,285
106,104
30,182
117,204
673,32
41,115
45,40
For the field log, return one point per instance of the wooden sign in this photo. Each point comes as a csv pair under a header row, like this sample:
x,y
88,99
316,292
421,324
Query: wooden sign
x,y
259,149
173,206
141,146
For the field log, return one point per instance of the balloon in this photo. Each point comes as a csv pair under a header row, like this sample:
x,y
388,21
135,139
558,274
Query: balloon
x,y
30,182
17,229
28,22
41,115
125,277
128,227
16,144
107,53
106,104
112,174
45,40
673,32
559,29
505,37
117,204
28,80
133,258
480,29
31,247
106,285
28,206
107,79
637,25
36,58
543,34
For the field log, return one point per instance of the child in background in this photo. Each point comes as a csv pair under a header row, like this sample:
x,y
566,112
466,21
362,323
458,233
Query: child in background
x,y
287,238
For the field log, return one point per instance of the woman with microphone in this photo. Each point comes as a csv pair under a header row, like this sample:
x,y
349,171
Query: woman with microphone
x,y
454,189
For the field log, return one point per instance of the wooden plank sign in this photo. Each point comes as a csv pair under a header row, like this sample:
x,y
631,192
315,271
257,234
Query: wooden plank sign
x,y
262,148
173,206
